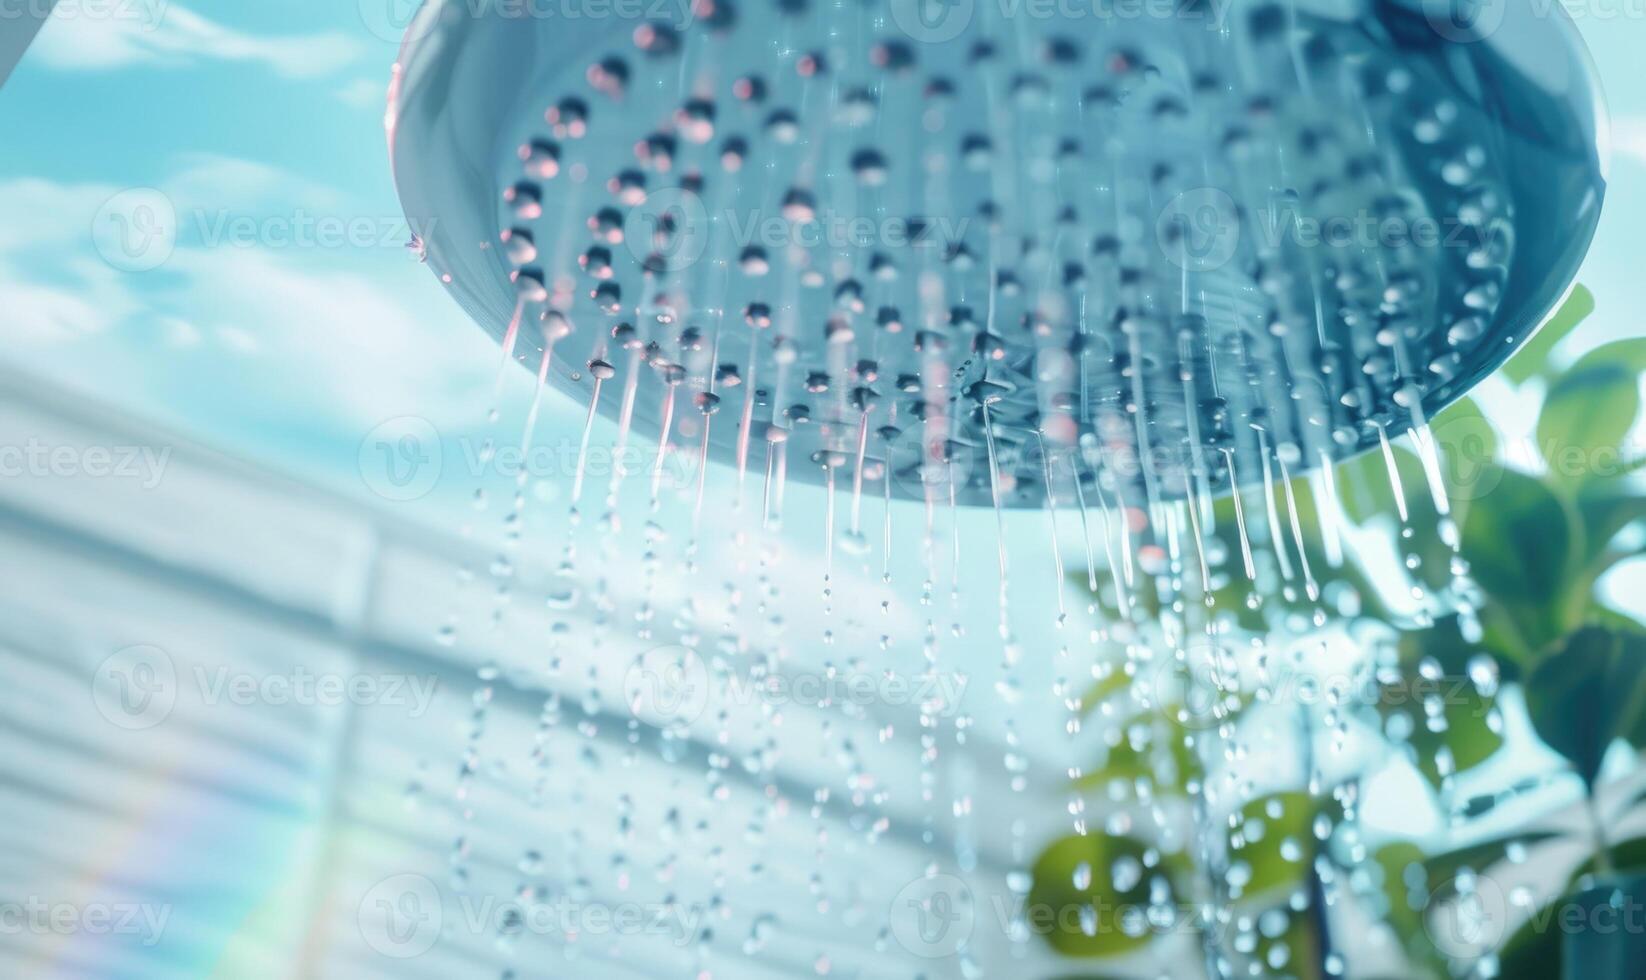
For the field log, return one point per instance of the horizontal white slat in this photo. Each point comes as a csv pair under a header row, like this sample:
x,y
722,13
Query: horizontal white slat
x,y
263,827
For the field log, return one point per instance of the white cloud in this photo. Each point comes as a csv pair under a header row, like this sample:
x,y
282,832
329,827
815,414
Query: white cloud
x,y
41,213
364,93
237,339
166,34
44,314
179,332
357,341
211,182
350,328
81,296
40,314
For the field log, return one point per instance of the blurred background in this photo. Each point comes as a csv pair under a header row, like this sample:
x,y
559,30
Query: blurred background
x,y
294,684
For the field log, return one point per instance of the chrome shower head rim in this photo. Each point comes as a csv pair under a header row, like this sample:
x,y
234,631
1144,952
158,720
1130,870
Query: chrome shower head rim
x,y
468,76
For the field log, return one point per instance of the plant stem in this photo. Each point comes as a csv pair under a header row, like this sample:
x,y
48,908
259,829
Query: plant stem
x,y
1317,888
1603,850
1210,947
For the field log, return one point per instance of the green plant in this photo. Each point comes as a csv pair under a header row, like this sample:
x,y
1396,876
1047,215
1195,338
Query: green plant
x,y
1491,596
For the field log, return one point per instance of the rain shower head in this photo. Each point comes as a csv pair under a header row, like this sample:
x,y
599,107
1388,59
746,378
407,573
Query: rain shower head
x,y
1152,245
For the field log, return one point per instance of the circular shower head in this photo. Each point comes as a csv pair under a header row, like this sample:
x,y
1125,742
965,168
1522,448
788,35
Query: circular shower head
x,y
1154,245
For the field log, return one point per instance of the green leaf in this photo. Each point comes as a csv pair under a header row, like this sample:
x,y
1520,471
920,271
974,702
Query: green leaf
x,y
1518,541
1412,881
1607,505
1435,675
1442,868
1547,945
1630,354
1461,734
1589,694
1533,358
1532,953
1104,688
1231,588
1142,592
1445,643
1272,852
1232,593
1367,493
1273,844
1598,615
1230,598
1630,855
1294,953
1128,760
1405,889
1585,418
1092,920
1467,444
1153,747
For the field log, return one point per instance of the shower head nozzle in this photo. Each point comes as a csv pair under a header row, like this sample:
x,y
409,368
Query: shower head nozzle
x,y
975,249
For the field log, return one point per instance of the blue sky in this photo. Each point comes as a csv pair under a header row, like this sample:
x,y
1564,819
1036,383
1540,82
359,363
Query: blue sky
x,y
265,120
262,124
